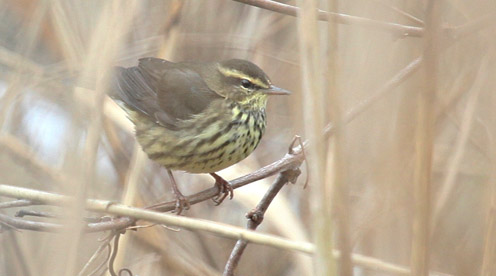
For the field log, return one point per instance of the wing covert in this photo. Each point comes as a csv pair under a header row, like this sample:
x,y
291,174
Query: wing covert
x,y
165,91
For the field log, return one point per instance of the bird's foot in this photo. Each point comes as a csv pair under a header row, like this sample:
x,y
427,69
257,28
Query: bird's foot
x,y
225,189
181,203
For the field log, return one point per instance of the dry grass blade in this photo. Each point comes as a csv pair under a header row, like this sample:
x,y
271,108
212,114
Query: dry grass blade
x,y
424,145
313,104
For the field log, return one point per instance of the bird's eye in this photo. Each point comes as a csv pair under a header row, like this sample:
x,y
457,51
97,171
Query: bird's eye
x,y
246,83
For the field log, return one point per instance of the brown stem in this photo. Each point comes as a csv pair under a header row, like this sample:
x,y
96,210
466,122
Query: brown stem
x,y
255,216
289,161
394,28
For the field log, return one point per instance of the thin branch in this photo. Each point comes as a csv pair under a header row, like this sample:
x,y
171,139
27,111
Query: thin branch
x,y
289,161
129,196
97,269
23,213
24,154
453,167
16,203
112,224
113,255
255,217
109,207
105,245
364,105
394,28
13,240
454,33
401,12
17,223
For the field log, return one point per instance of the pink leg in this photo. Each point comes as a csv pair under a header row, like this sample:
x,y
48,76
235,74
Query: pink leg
x,y
181,201
224,189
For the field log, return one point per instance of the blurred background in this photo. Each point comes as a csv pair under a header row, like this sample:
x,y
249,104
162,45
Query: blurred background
x,y
436,118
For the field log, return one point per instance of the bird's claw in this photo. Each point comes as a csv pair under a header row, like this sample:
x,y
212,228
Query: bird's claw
x,y
225,189
181,204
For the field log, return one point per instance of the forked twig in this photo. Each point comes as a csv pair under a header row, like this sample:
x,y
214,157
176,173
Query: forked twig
x,y
255,217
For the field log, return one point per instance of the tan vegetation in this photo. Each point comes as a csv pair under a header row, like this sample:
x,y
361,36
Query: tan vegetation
x,y
394,101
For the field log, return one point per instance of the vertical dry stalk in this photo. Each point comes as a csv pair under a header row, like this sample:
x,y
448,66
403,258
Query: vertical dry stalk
x,y
15,84
133,176
488,264
314,101
424,141
139,158
489,255
335,171
488,267
100,54
461,145
65,27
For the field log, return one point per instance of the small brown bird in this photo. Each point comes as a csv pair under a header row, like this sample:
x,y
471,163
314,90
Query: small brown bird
x,y
195,117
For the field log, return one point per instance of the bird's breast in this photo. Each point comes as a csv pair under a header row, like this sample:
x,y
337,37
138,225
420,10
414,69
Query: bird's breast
x,y
206,143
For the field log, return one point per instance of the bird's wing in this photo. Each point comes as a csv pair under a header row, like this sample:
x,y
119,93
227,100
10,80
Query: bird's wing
x,y
165,91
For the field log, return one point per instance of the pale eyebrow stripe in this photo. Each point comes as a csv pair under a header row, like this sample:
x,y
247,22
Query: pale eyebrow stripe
x,y
241,75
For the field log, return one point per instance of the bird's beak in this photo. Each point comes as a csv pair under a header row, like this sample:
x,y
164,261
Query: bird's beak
x,y
274,90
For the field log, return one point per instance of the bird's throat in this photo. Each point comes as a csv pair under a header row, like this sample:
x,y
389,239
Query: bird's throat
x,y
254,103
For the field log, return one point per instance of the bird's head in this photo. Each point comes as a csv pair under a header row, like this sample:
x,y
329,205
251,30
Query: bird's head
x,y
245,83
